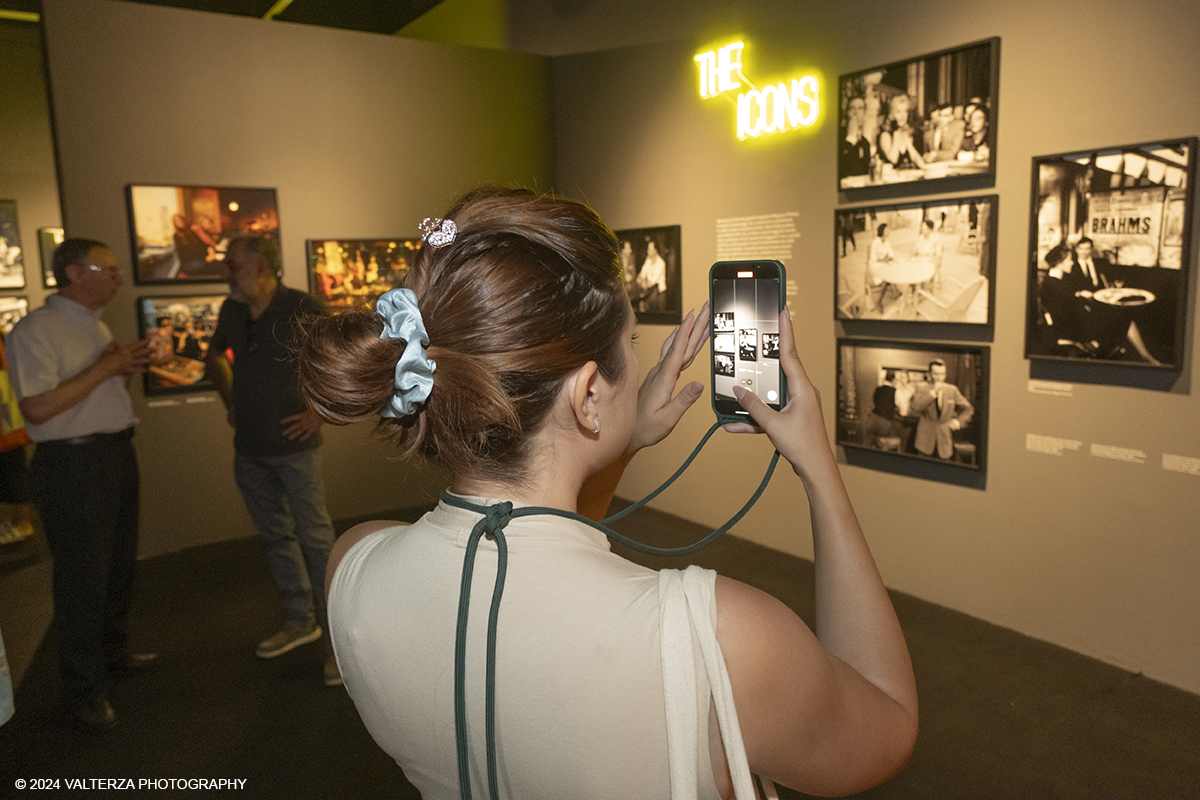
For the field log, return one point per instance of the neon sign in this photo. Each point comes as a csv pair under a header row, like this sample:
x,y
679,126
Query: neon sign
x,y
772,109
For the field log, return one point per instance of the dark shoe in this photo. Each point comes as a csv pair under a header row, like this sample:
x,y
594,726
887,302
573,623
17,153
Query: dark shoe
x,y
136,662
96,714
291,637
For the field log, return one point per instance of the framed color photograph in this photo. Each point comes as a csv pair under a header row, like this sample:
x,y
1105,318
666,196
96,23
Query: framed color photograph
x,y
180,233
48,241
915,400
12,261
12,309
650,259
179,329
350,272
924,262
1110,237
929,118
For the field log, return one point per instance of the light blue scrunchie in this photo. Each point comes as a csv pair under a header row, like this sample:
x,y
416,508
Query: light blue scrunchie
x,y
414,370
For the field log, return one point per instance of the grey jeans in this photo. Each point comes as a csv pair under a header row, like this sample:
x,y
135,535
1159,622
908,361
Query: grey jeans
x,y
285,496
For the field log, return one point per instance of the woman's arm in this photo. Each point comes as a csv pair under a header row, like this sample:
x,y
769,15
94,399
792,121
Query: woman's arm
x,y
889,146
834,712
659,409
914,152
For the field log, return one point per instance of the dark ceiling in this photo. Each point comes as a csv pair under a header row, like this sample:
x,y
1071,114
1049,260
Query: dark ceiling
x,y
375,16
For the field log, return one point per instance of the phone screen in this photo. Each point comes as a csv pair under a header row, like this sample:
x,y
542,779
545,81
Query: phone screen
x,y
746,298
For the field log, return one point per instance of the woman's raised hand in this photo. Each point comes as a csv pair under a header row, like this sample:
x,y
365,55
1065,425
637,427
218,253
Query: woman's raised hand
x,y
659,408
798,429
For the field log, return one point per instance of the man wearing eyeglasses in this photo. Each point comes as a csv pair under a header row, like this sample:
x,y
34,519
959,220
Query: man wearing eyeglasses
x,y
69,377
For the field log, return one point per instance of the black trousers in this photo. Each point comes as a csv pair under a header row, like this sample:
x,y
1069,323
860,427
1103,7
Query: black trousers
x,y
87,497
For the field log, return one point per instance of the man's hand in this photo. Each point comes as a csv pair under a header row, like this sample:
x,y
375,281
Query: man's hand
x,y
299,427
117,360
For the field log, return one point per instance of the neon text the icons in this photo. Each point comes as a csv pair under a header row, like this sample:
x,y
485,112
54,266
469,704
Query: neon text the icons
x,y
772,109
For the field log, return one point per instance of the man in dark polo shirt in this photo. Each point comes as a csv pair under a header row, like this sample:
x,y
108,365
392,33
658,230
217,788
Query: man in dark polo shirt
x,y
69,377
277,443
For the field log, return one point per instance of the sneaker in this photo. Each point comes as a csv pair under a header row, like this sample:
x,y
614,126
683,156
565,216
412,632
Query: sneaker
x,y
332,675
291,637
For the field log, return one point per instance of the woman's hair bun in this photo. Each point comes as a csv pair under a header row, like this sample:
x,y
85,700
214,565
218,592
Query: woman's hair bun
x,y
528,291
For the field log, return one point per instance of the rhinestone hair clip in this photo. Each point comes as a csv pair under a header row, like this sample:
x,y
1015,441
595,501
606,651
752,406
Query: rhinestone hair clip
x,y
438,232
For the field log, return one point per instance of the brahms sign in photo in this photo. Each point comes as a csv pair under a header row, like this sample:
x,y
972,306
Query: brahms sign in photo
x,y
1110,234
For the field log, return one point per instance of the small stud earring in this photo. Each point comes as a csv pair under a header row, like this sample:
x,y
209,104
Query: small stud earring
x,y
597,425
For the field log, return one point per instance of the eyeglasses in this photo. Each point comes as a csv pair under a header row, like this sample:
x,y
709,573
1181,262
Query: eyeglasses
x,y
112,272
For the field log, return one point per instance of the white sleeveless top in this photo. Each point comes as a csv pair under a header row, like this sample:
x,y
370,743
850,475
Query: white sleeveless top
x,y
581,710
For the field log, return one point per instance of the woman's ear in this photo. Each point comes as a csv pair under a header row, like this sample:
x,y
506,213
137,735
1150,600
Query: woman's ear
x,y
582,397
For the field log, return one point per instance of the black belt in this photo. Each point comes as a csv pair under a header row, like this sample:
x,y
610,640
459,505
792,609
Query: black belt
x,y
91,438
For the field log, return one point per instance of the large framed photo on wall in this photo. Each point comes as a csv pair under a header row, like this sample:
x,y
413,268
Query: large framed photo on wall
x,y
179,329
12,259
1110,237
650,261
925,401
180,233
12,311
929,118
48,241
350,272
928,262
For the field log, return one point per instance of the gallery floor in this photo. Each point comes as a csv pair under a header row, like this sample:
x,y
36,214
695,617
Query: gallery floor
x,y
1002,715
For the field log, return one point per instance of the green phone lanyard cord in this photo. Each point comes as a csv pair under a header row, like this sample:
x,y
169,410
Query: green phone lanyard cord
x,y
495,517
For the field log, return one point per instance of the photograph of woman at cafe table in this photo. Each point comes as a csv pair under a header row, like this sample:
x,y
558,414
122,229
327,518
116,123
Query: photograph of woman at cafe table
x,y
1109,232
925,119
917,401
927,262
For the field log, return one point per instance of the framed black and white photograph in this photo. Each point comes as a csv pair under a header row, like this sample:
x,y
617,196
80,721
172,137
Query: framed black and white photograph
x,y
918,262
351,272
929,118
180,233
723,364
650,261
914,400
179,329
1110,237
48,241
12,310
12,260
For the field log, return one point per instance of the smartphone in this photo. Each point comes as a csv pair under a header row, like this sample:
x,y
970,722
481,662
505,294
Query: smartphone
x,y
745,298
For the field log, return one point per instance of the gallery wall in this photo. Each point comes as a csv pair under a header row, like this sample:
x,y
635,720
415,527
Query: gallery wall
x,y
362,135
1098,555
26,151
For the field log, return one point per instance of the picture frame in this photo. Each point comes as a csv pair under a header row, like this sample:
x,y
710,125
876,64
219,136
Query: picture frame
x,y
12,257
48,241
652,268
1110,239
930,261
926,120
179,234
179,328
12,309
887,402
346,273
